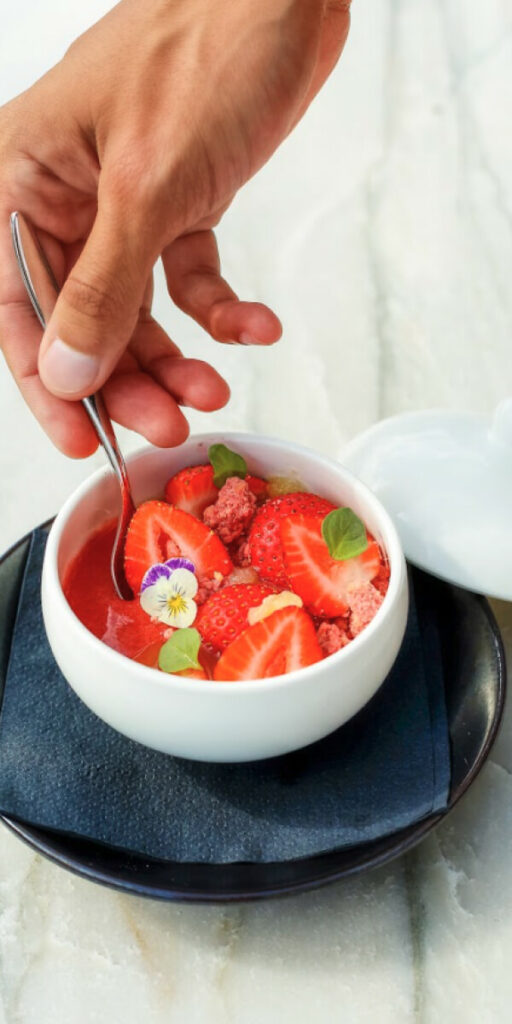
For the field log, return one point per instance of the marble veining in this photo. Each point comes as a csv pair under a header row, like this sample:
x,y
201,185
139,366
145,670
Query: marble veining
x,y
382,233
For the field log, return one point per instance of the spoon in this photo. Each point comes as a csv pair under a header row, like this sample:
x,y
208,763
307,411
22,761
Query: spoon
x,y
42,288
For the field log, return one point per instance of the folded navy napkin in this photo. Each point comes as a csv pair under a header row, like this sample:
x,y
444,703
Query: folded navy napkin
x,y
62,768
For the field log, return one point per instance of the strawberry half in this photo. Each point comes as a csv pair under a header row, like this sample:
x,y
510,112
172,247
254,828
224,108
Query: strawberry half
x,y
192,489
158,532
224,615
322,582
265,547
283,642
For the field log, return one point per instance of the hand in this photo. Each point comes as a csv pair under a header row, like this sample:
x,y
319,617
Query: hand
x,y
129,149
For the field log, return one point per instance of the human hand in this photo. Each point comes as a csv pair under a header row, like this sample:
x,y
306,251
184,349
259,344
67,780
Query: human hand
x,y
129,149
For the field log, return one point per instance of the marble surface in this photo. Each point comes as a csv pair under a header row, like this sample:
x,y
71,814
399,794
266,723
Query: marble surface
x,y
382,233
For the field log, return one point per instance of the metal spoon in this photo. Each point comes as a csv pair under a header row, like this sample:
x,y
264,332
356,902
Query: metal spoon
x,y
43,290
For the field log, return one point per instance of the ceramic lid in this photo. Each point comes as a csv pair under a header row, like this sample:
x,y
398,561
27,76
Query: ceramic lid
x,y
446,480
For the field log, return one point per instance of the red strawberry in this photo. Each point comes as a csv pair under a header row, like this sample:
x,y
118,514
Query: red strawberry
x,y
192,489
265,548
283,642
322,582
158,532
258,487
224,615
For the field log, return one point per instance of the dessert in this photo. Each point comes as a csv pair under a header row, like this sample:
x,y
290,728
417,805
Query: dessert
x,y
234,577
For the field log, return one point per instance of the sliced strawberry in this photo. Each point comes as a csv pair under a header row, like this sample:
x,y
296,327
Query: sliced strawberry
x,y
192,489
158,532
224,615
283,642
322,582
265,547
258,486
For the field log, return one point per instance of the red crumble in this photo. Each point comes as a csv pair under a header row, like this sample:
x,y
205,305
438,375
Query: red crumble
x,y
207,587
365,601
381,580
233,511
240,554
332,637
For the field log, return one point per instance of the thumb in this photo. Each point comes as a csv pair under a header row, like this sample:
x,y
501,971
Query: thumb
x,y
96,311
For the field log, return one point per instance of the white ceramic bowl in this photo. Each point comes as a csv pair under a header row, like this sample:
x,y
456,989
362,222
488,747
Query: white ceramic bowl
x,y
221,721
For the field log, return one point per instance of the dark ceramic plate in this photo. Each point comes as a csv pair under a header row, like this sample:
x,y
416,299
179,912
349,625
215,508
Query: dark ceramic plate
x,y
475,677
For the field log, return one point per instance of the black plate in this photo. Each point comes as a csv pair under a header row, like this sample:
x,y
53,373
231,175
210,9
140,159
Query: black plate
x,y
475,677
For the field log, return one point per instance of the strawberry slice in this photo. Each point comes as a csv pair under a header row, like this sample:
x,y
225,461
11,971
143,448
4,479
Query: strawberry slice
x,y
322,582
258,487
158,532
192,489
283,642
265,547
224,615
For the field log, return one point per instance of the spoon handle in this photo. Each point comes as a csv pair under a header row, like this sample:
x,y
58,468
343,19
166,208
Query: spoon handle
x,y
39,280
43,289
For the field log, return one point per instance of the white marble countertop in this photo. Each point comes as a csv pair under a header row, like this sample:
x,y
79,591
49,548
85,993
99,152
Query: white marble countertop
x,y
382,233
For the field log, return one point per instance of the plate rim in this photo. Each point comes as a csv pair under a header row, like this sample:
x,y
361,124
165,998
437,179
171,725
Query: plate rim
x,y
379,852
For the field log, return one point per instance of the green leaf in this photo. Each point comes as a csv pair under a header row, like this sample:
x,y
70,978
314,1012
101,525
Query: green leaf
x,y
225,464
344,534
180,651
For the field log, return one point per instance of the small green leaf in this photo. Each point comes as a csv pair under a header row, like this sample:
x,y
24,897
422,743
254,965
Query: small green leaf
x,y
180,651
225,464
344,534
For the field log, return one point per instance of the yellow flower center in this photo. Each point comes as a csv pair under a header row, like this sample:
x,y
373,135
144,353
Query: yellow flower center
x,y
176,604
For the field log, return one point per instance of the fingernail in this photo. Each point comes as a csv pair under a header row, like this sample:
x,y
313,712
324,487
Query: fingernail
x,y
67,370
247,339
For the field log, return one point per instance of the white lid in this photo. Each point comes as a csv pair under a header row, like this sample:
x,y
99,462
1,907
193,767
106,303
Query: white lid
x,y
446,480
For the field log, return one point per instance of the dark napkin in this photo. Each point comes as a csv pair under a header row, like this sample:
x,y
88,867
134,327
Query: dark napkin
x,y
62,768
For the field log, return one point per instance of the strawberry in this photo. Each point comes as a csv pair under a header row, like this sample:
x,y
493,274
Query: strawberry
x,y
192,489
323,582
265,548
158,532
224,615
258,487
283,642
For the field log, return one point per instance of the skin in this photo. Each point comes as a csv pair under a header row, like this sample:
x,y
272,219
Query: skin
x,y
131,149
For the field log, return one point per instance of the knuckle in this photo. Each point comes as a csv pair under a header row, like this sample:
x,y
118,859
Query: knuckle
x,y
96,300
128,181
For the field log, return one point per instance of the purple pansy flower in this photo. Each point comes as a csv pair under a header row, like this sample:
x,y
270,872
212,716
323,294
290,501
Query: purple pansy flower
x,y
165,569
168,590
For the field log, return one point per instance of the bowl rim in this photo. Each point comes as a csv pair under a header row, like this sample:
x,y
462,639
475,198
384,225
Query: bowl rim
x,y
164,680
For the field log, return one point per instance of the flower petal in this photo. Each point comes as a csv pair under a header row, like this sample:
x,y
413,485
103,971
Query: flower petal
x,y
180,563
154,573
185,618
185,582
154,598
